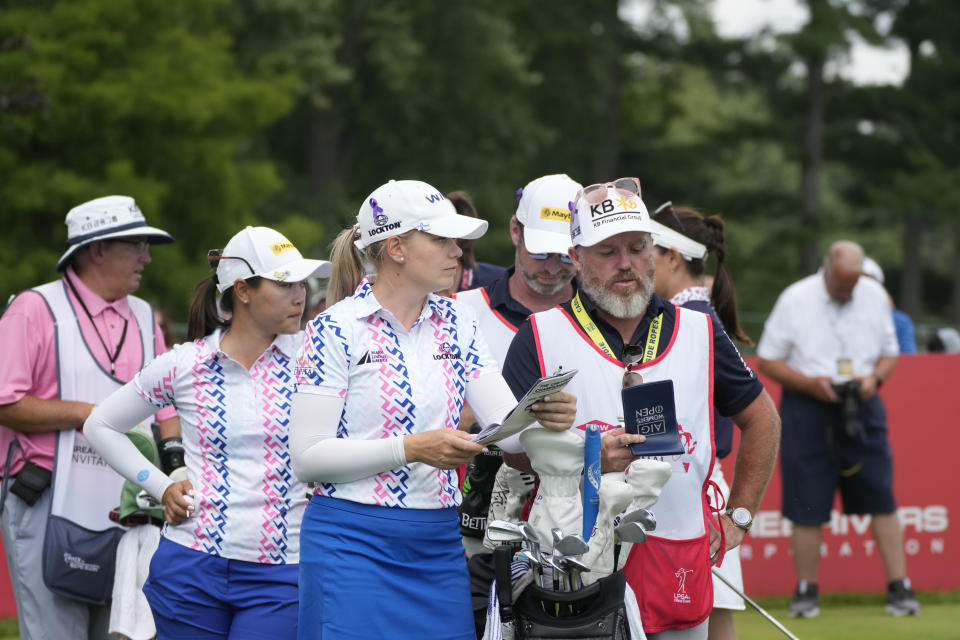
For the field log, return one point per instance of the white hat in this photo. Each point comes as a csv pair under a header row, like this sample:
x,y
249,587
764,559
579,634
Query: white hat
x,y
872,269
107,218
403,205
668,238
263,252
606,214
544,212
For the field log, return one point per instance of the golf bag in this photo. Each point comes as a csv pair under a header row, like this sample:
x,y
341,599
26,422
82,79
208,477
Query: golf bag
x,y
595,612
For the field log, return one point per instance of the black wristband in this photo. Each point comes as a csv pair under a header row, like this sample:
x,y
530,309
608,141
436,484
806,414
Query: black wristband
x,y
171,454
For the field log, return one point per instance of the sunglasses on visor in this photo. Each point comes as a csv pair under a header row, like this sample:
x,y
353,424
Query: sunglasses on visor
x,y
215,255
597,193
564,258
664,210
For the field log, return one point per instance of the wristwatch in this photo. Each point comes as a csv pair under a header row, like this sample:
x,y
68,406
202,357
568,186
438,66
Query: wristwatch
x,y
740,517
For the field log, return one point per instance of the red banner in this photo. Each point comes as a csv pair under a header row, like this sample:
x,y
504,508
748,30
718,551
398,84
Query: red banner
x,y
924,434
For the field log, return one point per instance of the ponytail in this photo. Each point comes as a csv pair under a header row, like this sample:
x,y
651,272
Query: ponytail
x,y
723,296
708,232
204,316
349,264
347,267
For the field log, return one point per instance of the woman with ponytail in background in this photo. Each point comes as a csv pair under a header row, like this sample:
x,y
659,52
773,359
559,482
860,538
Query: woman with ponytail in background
x,y
682,249
227,563
381,380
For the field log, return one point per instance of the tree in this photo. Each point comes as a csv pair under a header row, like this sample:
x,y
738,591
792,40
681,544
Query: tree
x,y
143,98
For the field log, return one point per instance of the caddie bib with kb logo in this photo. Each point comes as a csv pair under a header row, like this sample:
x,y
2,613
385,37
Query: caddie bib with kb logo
x,y
670,573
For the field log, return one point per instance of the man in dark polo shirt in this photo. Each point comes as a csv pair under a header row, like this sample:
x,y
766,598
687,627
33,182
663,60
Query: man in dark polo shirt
x,y
539,279
615,306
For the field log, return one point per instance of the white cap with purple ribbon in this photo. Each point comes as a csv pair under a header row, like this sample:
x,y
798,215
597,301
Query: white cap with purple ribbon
x,y
404,205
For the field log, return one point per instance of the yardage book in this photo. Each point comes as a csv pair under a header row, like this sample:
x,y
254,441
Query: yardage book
x,y
649,409
520,416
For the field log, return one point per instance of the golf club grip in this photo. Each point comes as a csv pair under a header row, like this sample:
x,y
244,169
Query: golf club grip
x,y
502,557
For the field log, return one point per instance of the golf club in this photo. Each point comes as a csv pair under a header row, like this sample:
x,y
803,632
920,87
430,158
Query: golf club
x,y
626,532
572,545
644,517
575,567
753,604
500,531
552,562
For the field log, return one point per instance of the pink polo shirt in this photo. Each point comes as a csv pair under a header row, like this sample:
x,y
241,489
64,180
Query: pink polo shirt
x,y
29,363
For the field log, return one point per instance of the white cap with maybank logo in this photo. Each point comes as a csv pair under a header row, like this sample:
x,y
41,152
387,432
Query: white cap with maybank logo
x,y
544,212
403,205
608,212
265,253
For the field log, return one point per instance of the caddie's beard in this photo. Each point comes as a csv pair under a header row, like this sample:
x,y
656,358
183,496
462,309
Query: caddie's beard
x,y
545,288
632,305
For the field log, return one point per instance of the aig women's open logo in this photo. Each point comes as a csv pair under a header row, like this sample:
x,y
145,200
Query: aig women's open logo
x,y
650,421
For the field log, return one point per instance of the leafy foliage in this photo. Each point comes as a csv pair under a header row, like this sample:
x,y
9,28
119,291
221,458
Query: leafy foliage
x,y
289,112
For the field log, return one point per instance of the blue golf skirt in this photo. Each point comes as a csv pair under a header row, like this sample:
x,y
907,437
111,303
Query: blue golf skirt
x,y
382,572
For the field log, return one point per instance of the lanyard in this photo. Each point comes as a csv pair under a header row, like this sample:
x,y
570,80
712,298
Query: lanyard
x,y
123,335
590,327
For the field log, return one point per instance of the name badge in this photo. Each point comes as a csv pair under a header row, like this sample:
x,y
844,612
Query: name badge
x,y
844,368
650,410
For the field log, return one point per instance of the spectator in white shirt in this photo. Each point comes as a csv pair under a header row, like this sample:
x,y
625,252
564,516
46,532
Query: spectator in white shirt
x,y
830,342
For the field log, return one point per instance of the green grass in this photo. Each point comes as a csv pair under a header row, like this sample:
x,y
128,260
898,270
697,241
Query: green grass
x,y
842,617
855,617
8,629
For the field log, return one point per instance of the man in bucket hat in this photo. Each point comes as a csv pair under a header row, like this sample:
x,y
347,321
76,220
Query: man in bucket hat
x,y
615,314
67,344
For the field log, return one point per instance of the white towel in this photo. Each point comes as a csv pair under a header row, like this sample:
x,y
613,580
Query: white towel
x,y
633,614
130,615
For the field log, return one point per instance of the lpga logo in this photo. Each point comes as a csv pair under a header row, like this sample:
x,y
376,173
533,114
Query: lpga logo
x,y
681,596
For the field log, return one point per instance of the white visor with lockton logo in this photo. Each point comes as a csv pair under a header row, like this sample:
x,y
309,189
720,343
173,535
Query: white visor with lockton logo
x,y
404,205
618,212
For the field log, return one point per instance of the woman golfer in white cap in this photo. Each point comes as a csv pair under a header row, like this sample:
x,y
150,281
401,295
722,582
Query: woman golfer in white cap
x,y
226,566
381,380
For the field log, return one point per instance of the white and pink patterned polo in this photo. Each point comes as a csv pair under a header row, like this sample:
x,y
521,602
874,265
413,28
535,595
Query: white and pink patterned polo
x,y
395,382
235,429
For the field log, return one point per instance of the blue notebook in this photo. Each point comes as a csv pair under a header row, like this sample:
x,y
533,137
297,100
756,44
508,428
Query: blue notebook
x,y
649,409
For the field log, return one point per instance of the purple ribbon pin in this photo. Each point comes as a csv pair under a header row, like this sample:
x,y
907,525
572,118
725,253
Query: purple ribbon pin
x,y
377,209
519,193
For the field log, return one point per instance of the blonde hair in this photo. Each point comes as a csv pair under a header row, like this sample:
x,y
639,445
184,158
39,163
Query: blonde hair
x,y
348,268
